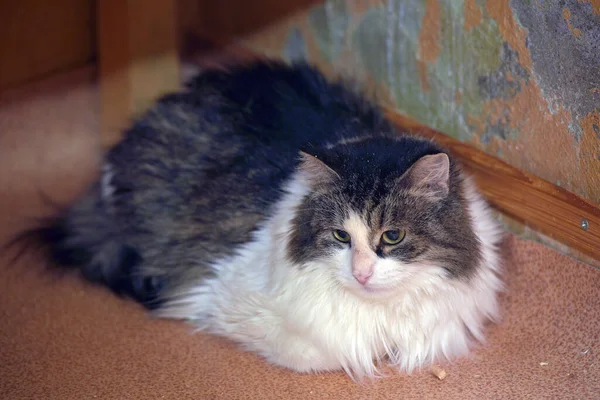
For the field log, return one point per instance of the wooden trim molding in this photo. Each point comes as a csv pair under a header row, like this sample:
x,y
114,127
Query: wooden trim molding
x,y
539,204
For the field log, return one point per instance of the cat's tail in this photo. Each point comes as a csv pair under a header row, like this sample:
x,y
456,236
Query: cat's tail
x,y
85,237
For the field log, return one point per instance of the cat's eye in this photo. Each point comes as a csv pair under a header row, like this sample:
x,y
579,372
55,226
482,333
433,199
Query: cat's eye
x,y
341,236
393,237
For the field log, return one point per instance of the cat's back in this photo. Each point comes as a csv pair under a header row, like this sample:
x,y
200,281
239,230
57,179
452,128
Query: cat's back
x,y
238,132
291,106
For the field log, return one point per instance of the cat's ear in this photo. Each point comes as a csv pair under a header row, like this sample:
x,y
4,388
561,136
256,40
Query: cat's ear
x,y
316,170
430,176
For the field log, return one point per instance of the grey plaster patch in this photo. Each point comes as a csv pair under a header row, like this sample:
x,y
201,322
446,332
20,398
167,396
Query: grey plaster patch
x,y
567,66
507,80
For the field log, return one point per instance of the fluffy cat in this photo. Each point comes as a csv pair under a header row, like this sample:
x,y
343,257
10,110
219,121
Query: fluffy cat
x,y
281,210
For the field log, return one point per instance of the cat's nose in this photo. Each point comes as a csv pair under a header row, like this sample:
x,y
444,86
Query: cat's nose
x,y
363,276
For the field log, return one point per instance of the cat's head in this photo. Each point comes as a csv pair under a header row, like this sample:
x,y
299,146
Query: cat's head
x,y
383,216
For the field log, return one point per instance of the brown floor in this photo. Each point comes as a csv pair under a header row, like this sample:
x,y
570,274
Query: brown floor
x,y
65,339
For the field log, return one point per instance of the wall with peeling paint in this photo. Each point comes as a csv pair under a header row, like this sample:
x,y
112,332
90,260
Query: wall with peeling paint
x,y
519,79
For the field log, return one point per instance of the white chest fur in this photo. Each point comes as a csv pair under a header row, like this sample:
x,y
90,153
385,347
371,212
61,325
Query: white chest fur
x,y
303,319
